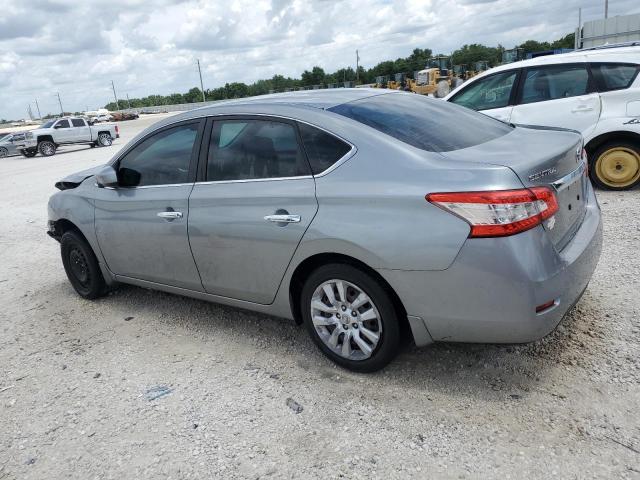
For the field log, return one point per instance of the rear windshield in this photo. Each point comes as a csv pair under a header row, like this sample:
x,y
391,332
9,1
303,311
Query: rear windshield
x,y
426,123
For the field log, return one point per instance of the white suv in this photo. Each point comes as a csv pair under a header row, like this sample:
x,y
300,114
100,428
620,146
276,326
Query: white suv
x,y
595,91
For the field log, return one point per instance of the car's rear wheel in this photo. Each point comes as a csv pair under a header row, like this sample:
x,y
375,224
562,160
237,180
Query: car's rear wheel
x,y
351,317
81,266
29,152
616,166
47,148
4,152
105,140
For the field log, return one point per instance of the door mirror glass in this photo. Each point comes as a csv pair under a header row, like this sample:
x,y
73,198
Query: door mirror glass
x,y
107,177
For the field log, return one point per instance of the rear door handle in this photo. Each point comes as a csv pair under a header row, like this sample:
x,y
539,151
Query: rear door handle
x,y
170,215
283,218
582,108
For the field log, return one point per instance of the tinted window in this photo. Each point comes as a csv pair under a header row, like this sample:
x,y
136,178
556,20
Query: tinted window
x,y
77,122
160,159
253,149
424,122
62,124
552,83
613,76
490,92
322,148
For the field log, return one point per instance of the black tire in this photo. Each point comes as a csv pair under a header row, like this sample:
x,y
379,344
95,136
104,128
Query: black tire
x,y
47,148
612,157
29,153
4,152
389,343
81,266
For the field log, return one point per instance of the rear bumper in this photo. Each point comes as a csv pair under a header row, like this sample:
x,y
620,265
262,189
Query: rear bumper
x,y
491,291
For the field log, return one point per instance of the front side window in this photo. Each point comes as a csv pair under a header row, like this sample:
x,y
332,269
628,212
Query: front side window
x,y
423,122
254,149
77,122
487,93
554,82
322,148
62,124
161,159
613,76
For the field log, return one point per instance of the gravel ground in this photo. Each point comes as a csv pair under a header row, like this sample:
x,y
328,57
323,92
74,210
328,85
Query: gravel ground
x,y
142,384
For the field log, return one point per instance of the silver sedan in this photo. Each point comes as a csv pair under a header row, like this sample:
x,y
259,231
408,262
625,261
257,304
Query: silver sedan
x,y
7,147
369,216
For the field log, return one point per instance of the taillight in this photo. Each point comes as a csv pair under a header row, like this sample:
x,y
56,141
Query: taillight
x,y
499,213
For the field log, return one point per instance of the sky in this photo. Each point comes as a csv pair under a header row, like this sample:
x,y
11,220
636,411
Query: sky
x,y
76,48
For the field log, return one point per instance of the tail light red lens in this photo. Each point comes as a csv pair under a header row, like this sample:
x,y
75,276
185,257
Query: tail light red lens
x,y
499,213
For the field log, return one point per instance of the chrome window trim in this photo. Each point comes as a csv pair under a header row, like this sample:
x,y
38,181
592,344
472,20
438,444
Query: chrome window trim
x,y
335,165
145,186
251,180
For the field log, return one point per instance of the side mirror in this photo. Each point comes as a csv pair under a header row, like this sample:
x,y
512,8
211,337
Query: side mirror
x,y
107,177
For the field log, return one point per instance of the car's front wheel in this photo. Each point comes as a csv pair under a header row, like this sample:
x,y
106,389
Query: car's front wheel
x,y
351,317
29,152
81,266
4,152
616,165
47,148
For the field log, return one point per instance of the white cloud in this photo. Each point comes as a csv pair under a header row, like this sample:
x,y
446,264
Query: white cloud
x,y
150,46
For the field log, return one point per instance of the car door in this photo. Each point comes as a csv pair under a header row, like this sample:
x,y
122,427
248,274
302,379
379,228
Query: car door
x,y
64,132
254,203
492,95
142,224
80,130
558,96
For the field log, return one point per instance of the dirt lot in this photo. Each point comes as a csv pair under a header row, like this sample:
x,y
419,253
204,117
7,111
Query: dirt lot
x,y
78,378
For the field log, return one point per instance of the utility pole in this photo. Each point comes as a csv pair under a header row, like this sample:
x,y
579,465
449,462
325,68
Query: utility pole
x,y
38,107
606,8
357,66
128,102
60,103
578,35
114,95
201,85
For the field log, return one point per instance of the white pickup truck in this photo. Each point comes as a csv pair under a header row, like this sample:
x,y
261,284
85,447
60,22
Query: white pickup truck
x,y
64,131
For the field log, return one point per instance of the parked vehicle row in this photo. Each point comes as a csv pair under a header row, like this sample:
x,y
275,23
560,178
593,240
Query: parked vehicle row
x,y
596,92
368,215
63,131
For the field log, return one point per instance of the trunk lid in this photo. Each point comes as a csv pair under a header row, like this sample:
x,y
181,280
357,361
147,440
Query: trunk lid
x,y
542,156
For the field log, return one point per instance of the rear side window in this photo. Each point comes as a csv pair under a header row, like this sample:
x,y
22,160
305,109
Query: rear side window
x,y
62,124
422,122
322,148
613,76
551,83
77,122
490,92
254,149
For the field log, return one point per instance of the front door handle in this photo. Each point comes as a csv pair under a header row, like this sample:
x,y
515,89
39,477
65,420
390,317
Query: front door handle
x,y
283,218
170,215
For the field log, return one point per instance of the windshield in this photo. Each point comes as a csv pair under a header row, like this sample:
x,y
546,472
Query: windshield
x,y
422,122
48,124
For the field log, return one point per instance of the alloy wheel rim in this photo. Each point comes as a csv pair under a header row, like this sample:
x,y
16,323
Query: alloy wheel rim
x,y
618,167
47,149
3,152
105,139
346,319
